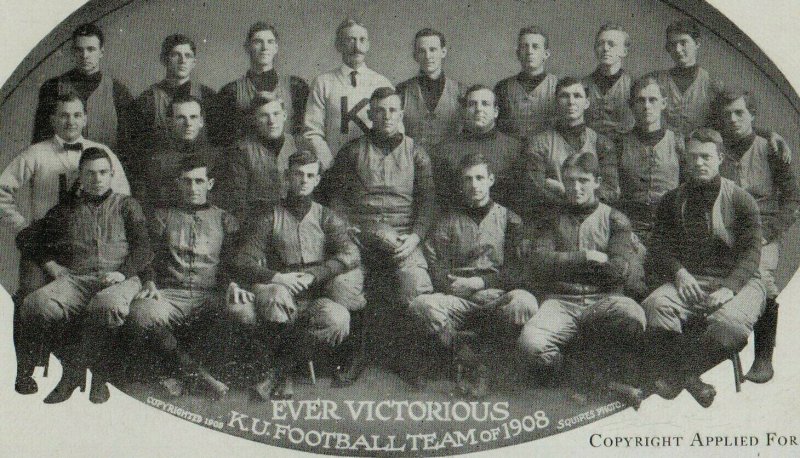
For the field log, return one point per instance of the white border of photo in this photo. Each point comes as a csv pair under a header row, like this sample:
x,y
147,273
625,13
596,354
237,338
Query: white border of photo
x,y
125,426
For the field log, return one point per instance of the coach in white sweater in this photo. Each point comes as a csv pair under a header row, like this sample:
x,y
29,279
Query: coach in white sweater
x,y
50,168
336,111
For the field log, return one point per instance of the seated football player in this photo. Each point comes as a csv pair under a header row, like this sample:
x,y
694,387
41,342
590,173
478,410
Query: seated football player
x,y
179,295
469,252
303,271
382,182
547,151
47,170
609,86
651,162
750,163
94,245
581,256
706,244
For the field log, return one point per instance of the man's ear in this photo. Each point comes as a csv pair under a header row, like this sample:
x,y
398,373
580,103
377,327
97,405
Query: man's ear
x,y
210,183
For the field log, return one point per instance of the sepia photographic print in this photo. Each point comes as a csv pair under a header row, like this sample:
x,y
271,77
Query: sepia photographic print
x,y
416,228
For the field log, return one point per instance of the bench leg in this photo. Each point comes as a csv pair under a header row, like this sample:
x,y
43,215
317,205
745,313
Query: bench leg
x,y
737,371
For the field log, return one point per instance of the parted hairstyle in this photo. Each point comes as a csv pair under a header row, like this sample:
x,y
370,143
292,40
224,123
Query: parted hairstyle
x,y
608,26
568,81
706,135
260,26
185,98
89,30
585,161
68,96
642,83
382,93
174,40
344,25
473,159
534,30
684,26
92,154
428,32
263,99
475,88
302,157
730,95
193,161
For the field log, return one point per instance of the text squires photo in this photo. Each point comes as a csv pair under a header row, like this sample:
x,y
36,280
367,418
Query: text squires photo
x,y
431,263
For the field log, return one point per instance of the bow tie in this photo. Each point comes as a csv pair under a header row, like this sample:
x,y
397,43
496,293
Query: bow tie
x,y
73,146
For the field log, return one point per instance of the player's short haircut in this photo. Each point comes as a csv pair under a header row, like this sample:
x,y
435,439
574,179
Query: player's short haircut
x,y
192,162
684,27
344,25
534,30
642,83
67,97
428,32
174,40
476,88
263,99
585,161
706,135
179,99
260,26
92,154
382,93
472,160
303,157
89,30
609,26
730,95
568,81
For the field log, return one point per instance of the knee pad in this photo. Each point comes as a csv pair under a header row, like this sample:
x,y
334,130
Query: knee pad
x,y
347,289
422,307
275,303
729,337
518,301
108,309
537,348
331,321
244,314
147,314
38,308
